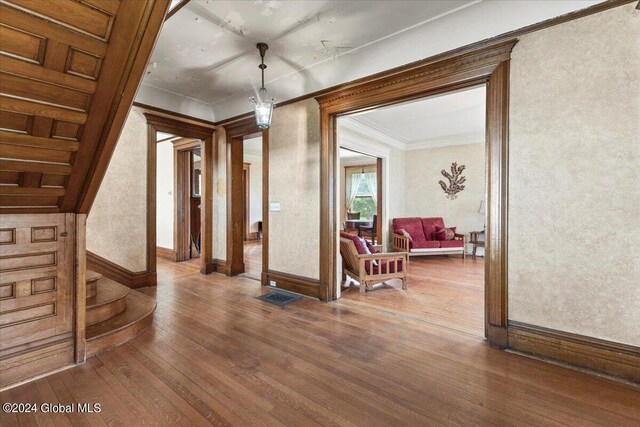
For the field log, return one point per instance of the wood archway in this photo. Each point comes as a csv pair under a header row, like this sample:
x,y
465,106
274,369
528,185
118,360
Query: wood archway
x,y
460,69
187,130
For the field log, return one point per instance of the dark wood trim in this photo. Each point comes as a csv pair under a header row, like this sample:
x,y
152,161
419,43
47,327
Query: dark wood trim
x,y
497,167
165,253
152,165
206,201
265,206
235,205
246,170
488,65
220,266
176,9
597,8
125,74
606,357
293,283
119,274
80,285
161,112
379,201
182,198
184,129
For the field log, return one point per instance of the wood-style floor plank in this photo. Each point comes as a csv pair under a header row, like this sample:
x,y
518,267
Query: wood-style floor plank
x,y
216,355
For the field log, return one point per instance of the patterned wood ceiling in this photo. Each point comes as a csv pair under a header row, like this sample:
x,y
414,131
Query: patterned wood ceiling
x,y
68,73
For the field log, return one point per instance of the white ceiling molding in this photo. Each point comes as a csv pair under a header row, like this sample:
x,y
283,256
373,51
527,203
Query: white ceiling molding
x,y
361,144
367,130
445,141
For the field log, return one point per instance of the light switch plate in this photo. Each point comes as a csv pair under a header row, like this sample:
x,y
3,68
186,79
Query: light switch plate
x,y
274,207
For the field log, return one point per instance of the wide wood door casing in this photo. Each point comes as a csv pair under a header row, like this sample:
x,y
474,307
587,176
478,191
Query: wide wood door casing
x,y
36,285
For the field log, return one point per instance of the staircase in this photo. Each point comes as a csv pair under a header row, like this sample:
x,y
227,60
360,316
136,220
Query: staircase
x,y
115,313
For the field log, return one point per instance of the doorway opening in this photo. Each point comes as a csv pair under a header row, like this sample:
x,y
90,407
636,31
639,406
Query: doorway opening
x,y
247,192
252,177
434,152
179,192
178,197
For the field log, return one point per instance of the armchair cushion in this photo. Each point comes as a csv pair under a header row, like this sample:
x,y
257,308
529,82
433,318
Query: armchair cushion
x,y
452,244
427,244
430,227
446,233
356,241
372,249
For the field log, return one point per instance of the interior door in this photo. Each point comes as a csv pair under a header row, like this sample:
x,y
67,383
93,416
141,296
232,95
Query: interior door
x,y
36,288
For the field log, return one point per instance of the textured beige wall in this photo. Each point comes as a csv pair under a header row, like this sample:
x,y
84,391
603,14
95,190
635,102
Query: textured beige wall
x,y
117,223
574,198
424,196
294,182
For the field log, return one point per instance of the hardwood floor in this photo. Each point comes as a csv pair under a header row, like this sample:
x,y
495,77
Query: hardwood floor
x,y
447,291
215,354
253,259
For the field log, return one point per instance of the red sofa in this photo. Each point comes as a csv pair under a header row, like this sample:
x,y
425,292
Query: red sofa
x,y
424,239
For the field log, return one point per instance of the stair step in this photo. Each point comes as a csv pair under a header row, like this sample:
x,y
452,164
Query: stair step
x,y
109,302
91,281
123,327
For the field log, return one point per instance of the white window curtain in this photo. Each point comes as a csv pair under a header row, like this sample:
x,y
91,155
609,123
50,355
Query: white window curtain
x,y
352,184
371,180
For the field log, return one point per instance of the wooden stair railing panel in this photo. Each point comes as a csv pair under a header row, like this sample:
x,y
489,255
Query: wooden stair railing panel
x,y
68,74
36,294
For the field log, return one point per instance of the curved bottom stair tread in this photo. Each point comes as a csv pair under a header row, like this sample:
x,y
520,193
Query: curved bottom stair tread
x,y
111,333
109,302
92,283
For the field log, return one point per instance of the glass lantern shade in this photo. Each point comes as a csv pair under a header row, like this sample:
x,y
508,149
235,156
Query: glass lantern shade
x,y
263,108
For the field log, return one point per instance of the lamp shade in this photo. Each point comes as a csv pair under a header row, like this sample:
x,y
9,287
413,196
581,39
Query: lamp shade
x,y
263,108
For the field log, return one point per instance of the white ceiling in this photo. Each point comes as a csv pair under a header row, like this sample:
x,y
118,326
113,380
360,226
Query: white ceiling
x,y
450,119
205,61
207,50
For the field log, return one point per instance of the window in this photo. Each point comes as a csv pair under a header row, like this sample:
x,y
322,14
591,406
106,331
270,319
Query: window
x,y
363,196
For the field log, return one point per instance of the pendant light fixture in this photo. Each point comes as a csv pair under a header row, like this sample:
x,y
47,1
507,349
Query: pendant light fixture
x,y
262,104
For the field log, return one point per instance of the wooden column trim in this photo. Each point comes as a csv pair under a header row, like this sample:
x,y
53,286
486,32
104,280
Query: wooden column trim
x,y
497,159
235,204
80,312
380,201
265,207
152,153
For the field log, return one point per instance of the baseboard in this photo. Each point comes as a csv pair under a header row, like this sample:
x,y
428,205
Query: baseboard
x,y
121,275
165,253
219,266
293,283
607,357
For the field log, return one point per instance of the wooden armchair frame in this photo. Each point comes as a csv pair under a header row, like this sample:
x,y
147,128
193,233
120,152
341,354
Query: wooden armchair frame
x,y
354,265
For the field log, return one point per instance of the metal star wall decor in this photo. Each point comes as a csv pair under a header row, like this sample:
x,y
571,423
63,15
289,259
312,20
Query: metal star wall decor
x,y
455,181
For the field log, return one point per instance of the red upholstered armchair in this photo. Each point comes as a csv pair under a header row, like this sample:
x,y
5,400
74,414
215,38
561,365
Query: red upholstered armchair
x,y
369,269
422,236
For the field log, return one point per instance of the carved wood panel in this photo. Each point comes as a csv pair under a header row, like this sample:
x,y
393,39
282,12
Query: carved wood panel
x,y
37,257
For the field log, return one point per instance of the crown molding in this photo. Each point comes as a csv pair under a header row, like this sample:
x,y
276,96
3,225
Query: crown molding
x,y
445,141
365,129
